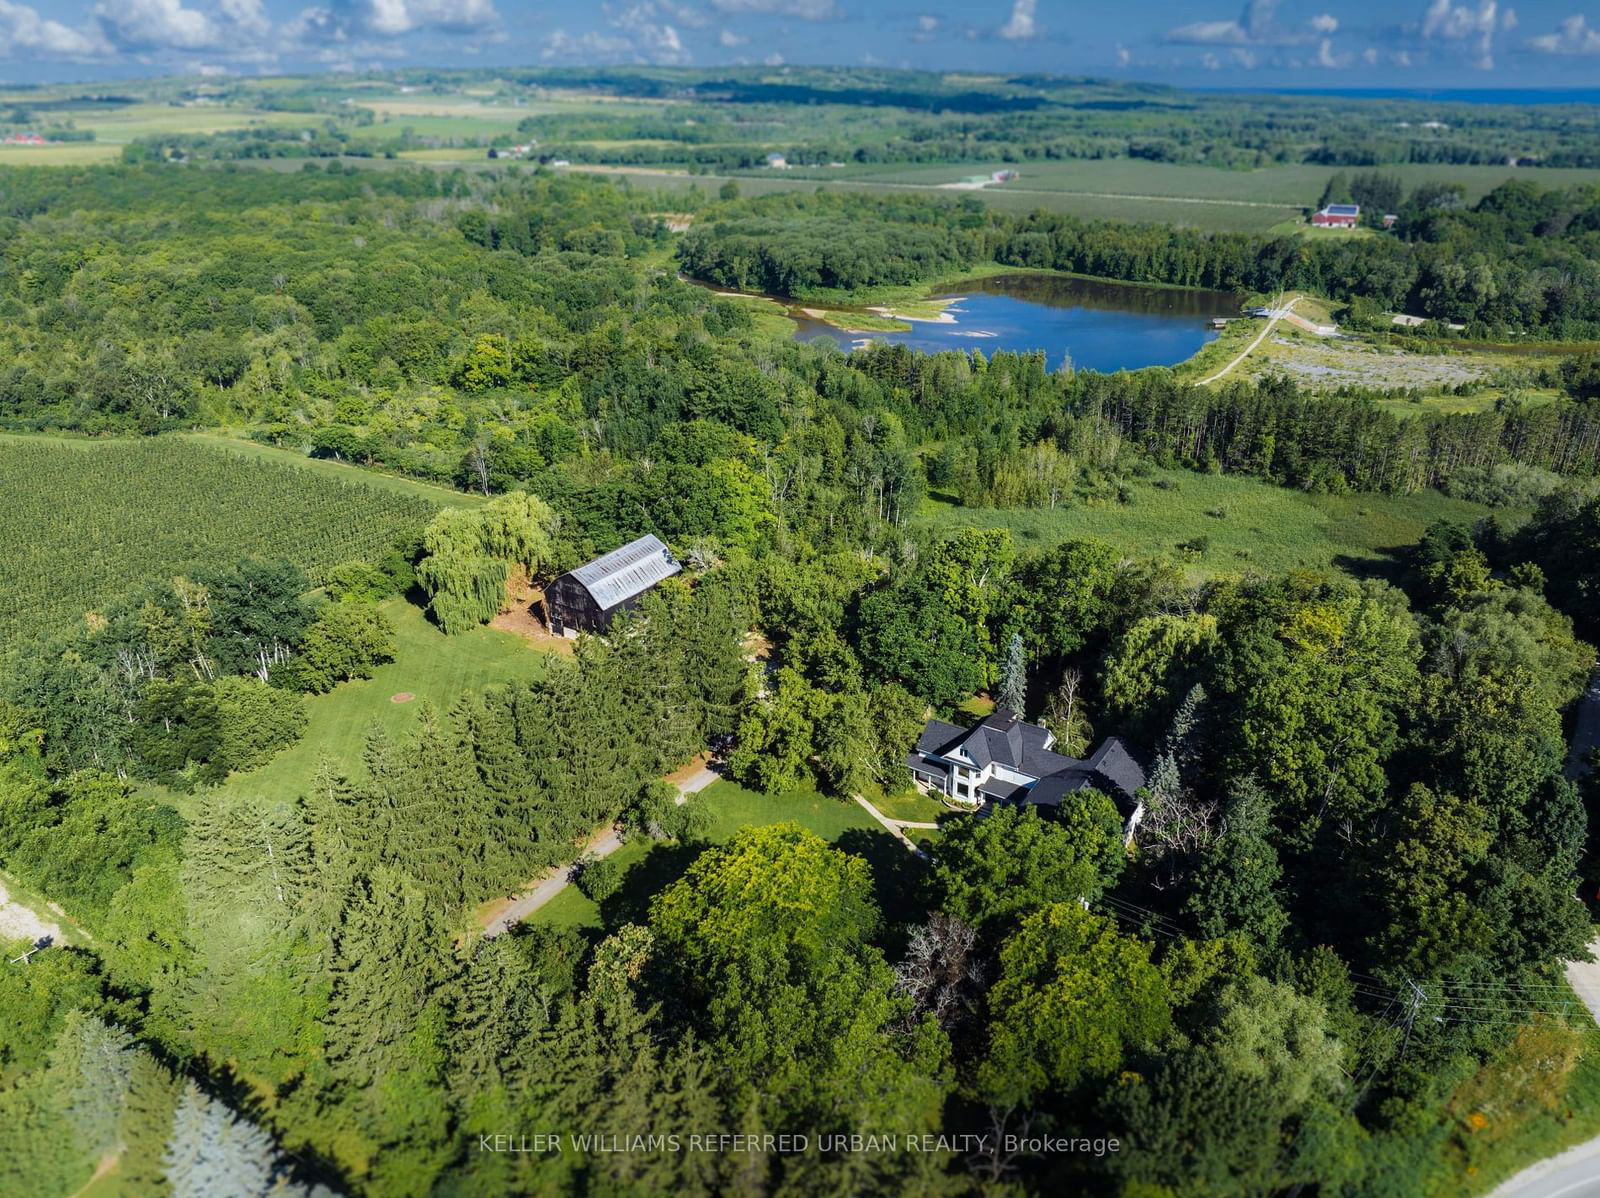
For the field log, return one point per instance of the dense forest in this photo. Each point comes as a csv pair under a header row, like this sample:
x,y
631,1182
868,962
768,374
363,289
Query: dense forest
x,y
1345,906
731,118
1519,263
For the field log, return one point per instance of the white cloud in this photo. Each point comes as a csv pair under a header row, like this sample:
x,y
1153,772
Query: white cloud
x,y
1572,36
246,16
806,10
392,17
1324,23
730,39
23,29
773,60
927,23
1370,56
1123,55
1328,59
156,25
1021,25
1473,27
1257,25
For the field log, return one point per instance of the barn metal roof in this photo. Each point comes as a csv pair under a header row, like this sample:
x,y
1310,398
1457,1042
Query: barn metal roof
x,y
623,573
1343,210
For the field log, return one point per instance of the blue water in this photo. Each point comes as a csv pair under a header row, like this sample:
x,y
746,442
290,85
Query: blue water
x,y
1093,325
1446,95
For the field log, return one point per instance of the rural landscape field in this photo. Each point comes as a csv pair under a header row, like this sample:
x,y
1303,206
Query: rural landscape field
x,y
621,627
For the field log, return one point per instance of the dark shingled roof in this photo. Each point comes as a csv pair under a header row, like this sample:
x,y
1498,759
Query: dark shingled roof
x,y
1002,739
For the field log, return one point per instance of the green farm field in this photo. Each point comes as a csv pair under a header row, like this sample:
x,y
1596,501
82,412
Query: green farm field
x,y
1258,527
92,519
1295,186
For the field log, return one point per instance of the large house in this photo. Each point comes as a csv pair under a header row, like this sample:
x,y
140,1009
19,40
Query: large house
x,y
1003,760
1337,216
588,598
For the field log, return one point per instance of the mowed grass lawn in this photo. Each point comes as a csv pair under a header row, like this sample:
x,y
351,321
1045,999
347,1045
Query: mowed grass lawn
x,y
648,866
1249,525
428,665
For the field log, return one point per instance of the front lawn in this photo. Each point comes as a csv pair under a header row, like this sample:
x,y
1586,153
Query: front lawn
x,y
647,867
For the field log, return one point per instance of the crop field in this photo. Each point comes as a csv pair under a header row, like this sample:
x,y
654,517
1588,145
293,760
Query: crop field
x,y
1222,216
1247,525
87,521
1296,186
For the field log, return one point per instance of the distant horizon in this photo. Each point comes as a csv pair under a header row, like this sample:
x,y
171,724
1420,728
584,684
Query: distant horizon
x,y
1195,43
1507,94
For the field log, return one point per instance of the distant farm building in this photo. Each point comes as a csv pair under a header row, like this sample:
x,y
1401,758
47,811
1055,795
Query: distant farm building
x,y
1007,176
1389,219
25,139
777,162
587,599
1337,216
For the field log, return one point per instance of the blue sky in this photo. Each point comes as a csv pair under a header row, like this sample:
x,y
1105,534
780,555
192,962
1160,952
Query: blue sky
x,y
1303,43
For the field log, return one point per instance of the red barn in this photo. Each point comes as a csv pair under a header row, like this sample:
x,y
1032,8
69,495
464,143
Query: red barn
x,y
1337,216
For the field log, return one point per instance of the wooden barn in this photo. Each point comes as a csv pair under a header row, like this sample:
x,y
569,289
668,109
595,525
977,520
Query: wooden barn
x,y
586,599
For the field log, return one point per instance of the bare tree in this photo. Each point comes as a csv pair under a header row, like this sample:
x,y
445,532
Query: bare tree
x,y
941,973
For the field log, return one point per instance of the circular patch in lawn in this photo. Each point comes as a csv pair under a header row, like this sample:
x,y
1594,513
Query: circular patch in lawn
x,y
402,697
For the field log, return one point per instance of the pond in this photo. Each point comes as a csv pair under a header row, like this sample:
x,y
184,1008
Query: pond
x,y
1096,325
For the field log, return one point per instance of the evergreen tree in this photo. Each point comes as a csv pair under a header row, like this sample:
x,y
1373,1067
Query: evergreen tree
x,y
213,1151
1013,689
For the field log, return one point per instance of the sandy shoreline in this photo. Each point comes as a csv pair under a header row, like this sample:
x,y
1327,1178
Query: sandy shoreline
x,y
944,317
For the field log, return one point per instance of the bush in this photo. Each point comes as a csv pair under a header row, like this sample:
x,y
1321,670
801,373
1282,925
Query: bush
x,y
254,723
359,581
346,640
599,878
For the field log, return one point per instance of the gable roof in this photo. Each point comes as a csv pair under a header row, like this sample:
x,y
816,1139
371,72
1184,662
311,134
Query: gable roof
x,y
627,571
1004,740
1114,764
1342,210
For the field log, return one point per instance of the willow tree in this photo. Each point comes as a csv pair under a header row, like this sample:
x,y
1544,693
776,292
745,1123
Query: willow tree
x,y
471,552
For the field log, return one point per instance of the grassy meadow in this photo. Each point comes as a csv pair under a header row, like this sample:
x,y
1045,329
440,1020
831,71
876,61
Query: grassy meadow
x,y
647,866
435,670
1249,525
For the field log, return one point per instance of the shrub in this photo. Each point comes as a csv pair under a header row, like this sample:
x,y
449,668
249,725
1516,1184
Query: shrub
x,y
359,581
254,723
346,640
599,878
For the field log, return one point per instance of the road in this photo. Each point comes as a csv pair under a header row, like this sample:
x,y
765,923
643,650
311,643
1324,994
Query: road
x,y
1575,1173
1272,323
602,844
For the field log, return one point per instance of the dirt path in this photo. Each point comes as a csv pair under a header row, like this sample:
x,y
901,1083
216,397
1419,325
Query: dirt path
x,y
503,916
21,922
1249,349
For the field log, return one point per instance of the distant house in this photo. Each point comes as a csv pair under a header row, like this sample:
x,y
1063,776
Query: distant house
x,y
1337,216
588,598
1004,760
1389,219
777,162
